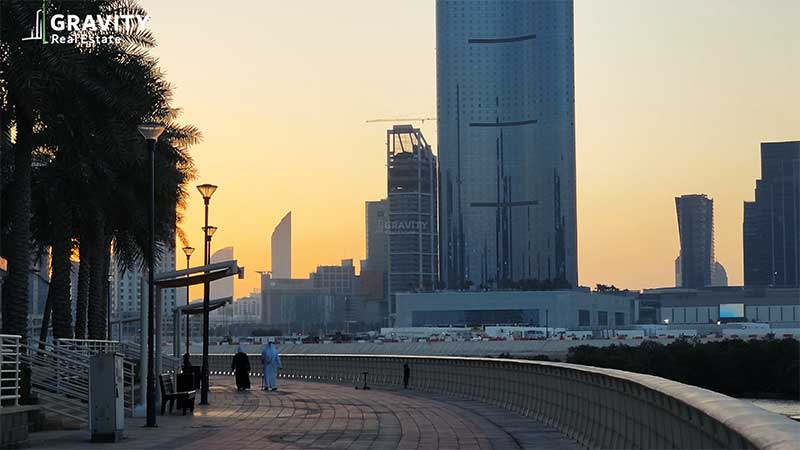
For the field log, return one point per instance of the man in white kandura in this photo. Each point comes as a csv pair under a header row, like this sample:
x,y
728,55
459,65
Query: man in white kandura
x,y
272,362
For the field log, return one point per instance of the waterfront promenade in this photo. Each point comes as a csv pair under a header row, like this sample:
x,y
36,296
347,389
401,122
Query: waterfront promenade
x,y
311,415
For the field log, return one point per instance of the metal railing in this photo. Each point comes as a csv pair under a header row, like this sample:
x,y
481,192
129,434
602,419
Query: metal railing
x,y
60,377
89,346
132,352
9,369
597,407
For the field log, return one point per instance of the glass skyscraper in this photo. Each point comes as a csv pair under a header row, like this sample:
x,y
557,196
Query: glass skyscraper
x,y
772,222
506,127
282,248
696,233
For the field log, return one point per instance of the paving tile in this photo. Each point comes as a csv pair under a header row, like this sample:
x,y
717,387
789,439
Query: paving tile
x,y
330,417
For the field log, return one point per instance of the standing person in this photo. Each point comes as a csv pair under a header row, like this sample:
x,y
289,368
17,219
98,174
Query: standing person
x,y
187,363
241,367
272,362
406,375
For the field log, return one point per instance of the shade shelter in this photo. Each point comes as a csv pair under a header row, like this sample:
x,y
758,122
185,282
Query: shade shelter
x,y
192,309
188,277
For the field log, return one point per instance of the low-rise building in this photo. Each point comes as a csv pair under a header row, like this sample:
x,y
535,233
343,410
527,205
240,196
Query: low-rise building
x,y
779,307
570,309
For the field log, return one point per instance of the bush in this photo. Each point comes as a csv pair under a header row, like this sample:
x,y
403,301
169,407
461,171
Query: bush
x,y
756,368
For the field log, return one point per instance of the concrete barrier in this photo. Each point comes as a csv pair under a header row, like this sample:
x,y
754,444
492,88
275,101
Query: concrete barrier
x,y
600,408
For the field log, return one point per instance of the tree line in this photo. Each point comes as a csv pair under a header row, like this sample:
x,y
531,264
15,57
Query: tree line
x,y
75,173
755,368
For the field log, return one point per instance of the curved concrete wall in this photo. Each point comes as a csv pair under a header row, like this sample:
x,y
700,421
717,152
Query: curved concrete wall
x,y
601,408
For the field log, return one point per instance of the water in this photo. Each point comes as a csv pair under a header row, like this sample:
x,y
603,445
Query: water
x,y
785,407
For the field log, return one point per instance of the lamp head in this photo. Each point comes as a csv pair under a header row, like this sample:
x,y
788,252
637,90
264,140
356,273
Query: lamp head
x,y
188,251
150,130
210,230
206,190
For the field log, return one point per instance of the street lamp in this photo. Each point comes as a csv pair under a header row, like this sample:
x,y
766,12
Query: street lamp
x,y
151,131
108,312
206,190
209,232
188,252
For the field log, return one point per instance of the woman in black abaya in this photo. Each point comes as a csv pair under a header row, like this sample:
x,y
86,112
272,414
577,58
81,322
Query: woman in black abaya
x,y
241,367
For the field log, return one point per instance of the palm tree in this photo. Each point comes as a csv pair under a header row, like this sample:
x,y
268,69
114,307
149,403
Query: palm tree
x,y
121,207
32,76
80,107
52,226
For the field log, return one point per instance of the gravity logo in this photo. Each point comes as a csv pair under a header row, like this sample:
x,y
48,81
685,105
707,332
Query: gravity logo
x,y
84,30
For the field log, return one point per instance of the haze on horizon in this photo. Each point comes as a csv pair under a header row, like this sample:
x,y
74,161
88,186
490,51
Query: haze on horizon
x,y
671,98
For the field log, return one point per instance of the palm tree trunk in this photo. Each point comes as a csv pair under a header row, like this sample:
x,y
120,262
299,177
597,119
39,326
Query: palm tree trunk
x,y
84,273
107,283
62,269
15,288
48,307
97,304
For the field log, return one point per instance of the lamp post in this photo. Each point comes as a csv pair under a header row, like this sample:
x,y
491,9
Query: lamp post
x,y
209,231
108,312
188,252
151,131
206,190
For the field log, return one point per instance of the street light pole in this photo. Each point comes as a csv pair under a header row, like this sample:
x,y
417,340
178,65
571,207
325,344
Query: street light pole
x,y
108,312
206,190
188,252
547,323
151,132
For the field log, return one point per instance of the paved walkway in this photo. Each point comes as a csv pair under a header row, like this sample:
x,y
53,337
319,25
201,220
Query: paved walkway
x,y
311,415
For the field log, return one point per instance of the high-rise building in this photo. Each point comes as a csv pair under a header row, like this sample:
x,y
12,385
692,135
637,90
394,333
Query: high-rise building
x,y
341,283
129,288
282,248
377,217
696,232
337,279
411,227
222,288
506,127
719,276
771,227
295,305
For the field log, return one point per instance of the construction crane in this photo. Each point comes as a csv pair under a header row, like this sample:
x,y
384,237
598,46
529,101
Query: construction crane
x,y
413,119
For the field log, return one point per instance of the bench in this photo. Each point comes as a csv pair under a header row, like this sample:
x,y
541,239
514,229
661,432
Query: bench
x,y
185,399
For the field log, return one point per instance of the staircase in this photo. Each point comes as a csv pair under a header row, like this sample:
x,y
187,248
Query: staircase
x,y
60,378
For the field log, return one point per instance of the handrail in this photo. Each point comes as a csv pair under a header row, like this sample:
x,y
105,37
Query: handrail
x,y
89,346
9,369
597,407
132,352
60,375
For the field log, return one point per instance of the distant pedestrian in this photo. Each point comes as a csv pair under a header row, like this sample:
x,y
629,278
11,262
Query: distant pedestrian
x,y
406,375
271,362
241,367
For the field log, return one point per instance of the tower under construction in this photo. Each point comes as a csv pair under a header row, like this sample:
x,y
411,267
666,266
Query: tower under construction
x,y
411,227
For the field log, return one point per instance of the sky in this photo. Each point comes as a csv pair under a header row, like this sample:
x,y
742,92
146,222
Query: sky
x,y
671,98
